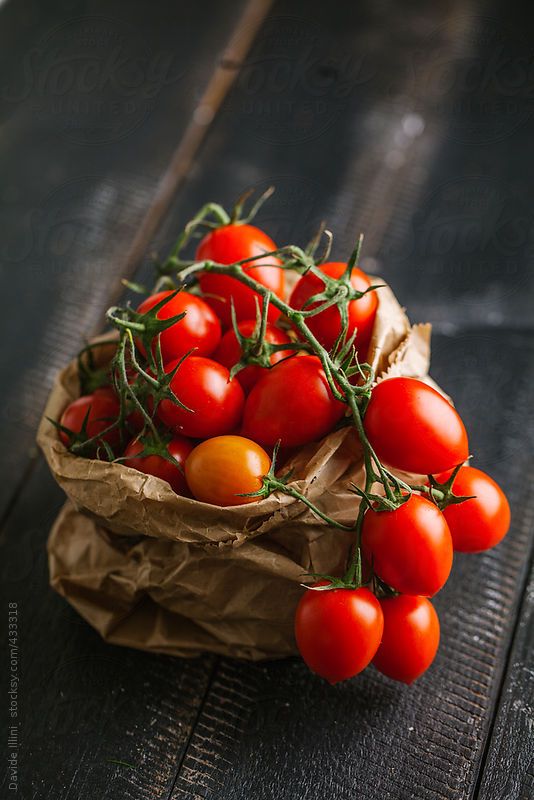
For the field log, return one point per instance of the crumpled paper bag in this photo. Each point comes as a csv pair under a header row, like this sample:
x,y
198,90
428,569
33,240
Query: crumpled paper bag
x,y
156,571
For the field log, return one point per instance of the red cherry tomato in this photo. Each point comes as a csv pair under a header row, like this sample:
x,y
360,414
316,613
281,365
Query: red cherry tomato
x,y
327,325
411,637
338,631
179,448
228,352
204,387
200,327
227,245
413,428
220,469
291,403
409,548
482,522
101,408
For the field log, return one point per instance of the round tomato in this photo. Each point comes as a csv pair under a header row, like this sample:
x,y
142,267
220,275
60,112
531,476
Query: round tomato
x,y
220,469
411,637
179,448
409,548
214,403
413,428
326,326
338,631
101,409
482,522
229,351
291,403
200,327
229,244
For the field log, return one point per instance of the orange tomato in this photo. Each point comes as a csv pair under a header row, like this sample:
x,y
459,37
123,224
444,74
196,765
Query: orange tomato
x,y
221,469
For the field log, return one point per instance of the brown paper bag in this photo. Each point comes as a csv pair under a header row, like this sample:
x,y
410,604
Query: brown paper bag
x,y
156,571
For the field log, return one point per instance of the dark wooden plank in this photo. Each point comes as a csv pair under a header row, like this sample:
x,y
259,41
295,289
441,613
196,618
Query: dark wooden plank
x,y
83,705
277,731
81,166
509,765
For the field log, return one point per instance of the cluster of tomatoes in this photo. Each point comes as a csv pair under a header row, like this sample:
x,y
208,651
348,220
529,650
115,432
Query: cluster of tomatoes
x,y
214,382
409,550
216,443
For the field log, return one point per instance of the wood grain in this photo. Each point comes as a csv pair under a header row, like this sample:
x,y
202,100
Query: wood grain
x,y
508,772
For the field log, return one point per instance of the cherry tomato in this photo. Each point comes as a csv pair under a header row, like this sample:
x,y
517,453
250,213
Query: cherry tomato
x,y
232,243
220,469
409,548
200,327
179,448
482,522
413,428
338,631
101,408
411,637
204,387
229,351
327,325
291,403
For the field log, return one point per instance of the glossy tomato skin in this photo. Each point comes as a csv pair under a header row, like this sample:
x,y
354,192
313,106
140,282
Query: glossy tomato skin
x,y
327,325
204,387
199,329
220,469
338,631
291,403
410,548
226,245
482,522
103,407
179,448
413,428
410,639
228,352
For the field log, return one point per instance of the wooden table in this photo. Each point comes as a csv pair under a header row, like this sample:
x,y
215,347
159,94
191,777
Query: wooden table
x,y
412,122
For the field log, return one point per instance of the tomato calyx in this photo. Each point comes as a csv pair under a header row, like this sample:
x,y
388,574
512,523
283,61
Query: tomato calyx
x,y
442,494
146,325
154,443
80,443
255,350
273,483
90,376
337,291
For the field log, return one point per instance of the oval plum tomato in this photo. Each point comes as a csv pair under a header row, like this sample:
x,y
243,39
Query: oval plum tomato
x,y
220,469
411,637
291,403
327,325
228,352
214,401
200,327
482,522
232,243
179,448
413,428
338,631
101,409
409,548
